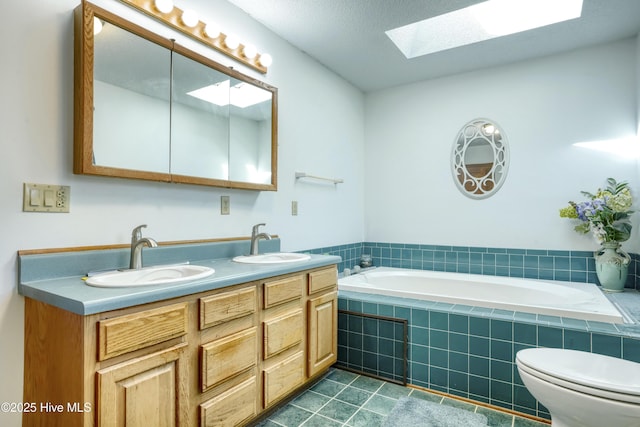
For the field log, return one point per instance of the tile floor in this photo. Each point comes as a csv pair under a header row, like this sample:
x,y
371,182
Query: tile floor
x,y
343,398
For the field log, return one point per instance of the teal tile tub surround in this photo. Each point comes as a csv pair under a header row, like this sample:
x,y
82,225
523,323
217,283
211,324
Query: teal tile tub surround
x,y
452,349
470,351
569,266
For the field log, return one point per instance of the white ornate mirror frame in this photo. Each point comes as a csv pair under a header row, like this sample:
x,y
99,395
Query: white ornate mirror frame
x,y
480,158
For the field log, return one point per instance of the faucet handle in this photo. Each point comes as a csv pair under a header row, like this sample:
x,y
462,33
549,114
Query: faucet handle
x,y
255,228
137,232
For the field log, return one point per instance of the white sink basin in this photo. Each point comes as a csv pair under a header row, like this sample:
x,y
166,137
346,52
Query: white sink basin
x,y
272,258
161,275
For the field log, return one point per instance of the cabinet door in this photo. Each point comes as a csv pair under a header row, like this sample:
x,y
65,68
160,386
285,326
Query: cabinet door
x,y
145,391
323,333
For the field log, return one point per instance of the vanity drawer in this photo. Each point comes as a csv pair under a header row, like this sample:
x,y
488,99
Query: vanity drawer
x,y
322,279
232,407
131,332
283,378
280,291
282,333
227,357
220,308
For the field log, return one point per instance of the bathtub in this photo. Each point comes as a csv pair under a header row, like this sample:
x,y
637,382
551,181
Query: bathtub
x,y
565,299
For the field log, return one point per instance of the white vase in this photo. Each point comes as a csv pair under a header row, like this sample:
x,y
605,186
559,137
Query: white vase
x,y
612,266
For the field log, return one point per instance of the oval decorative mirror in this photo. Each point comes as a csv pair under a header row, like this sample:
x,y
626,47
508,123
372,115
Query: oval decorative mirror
x,y
480,158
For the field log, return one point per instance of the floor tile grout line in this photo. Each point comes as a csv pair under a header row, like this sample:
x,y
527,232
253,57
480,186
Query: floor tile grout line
x,y
317,412
307,409
365,402
376,392
476,407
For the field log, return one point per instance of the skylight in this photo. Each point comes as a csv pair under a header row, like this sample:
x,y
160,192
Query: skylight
x,y
241,95
483,21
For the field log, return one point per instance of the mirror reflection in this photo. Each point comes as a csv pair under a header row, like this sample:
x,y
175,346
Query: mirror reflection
x,y
250,157
148,108
131,113
480,158
200,120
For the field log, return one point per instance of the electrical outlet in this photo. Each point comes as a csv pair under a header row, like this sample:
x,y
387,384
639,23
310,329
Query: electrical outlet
x,y
225,205
45,198
294,207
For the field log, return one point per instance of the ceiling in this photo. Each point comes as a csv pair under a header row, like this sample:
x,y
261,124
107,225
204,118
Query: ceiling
x,y
348,36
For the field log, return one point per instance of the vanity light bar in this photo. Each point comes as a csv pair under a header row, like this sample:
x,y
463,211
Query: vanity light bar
x,y
188,22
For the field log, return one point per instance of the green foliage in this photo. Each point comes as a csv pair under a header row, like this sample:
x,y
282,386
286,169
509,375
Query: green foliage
x,y
606,213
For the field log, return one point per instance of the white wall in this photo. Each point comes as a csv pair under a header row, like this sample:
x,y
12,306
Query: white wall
x,y
543,106
406,187
320,131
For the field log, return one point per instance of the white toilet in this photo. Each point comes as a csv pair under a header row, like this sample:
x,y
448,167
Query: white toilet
x,y
582,389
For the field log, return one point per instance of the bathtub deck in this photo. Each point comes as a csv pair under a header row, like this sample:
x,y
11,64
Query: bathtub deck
x,y
583,301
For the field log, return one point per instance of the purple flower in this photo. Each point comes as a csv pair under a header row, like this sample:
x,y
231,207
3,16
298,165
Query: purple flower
x,y
589,208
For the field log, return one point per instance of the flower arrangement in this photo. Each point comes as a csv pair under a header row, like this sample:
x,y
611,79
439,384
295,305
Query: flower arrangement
x,y
606,213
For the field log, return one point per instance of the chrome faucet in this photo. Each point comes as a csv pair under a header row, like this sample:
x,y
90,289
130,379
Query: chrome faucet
x,y
255,238
137,242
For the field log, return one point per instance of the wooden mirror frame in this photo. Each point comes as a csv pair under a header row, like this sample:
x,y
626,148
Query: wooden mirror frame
x,y
83,163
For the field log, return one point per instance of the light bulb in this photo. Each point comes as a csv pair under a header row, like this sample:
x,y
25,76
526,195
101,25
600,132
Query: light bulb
x,y
97,26
231,42
164,6
266,60
211,30
249,51
189,18
488,128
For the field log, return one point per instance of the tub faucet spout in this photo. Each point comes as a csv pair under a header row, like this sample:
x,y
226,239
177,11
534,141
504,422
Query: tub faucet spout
x,y
137,243
255,238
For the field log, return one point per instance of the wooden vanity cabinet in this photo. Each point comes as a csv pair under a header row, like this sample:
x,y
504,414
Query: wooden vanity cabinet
x,y
322,323
147,390
218,358
123,368
228,357
283,337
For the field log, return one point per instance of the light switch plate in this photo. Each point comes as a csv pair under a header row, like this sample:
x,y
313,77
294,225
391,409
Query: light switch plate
x,y
46,198
294,207
225,205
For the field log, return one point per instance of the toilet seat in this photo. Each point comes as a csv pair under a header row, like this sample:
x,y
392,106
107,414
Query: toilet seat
x,y
594,374
578,388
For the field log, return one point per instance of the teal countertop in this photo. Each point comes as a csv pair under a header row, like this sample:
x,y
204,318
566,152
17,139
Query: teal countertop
x,y
64,287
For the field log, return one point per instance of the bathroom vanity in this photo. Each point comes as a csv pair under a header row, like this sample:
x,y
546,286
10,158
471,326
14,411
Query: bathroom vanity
x,y
218,356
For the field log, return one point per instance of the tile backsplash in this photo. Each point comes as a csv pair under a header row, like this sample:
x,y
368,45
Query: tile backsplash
x,y
571,266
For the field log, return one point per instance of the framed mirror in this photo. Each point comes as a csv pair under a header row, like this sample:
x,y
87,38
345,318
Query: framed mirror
x,y
147,108
480,158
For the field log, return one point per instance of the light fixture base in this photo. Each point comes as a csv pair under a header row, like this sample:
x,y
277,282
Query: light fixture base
x,y
173,19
